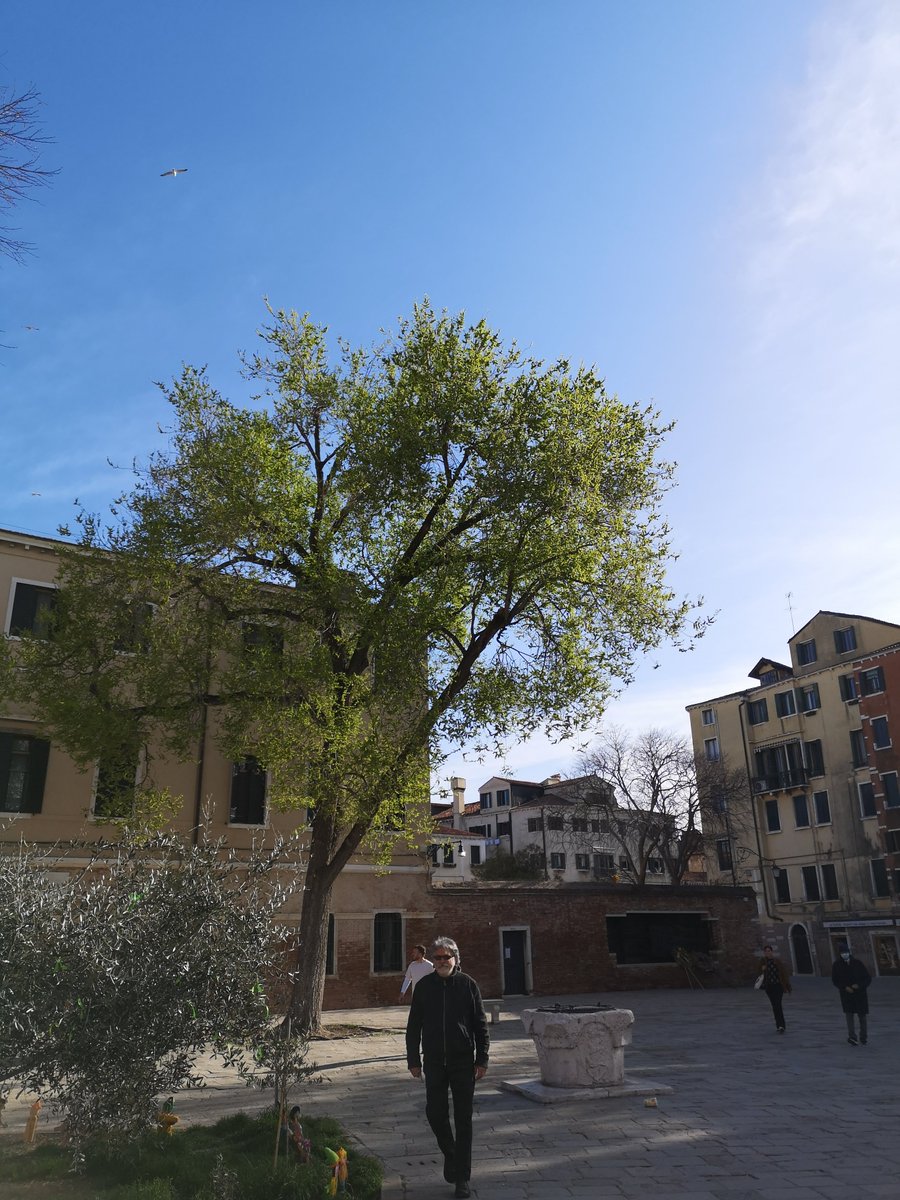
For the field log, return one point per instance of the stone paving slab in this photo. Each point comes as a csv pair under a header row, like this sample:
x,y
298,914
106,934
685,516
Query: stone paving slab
x,y
752,1115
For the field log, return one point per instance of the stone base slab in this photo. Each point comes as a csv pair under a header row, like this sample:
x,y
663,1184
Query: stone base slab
x,y
534,1089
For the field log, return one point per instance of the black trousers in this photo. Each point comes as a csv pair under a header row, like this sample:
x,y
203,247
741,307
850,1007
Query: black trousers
x,y
775,994
440,1083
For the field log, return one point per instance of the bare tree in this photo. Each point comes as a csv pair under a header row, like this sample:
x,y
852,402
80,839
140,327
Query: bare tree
x,y
656,790
20,143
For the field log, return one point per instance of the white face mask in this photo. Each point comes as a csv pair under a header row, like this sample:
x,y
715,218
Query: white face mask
x,y
845,955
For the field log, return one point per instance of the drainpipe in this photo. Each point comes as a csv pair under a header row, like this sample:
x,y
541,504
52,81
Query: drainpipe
x,y
759,854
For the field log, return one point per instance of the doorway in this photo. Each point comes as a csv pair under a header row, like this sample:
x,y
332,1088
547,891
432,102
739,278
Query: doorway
x,y
803,963
514,943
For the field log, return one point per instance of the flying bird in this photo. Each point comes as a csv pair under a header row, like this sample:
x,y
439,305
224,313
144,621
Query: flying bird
x,y
174,171
32,328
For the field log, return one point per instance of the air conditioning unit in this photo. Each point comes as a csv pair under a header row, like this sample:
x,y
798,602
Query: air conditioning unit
x,y
757,786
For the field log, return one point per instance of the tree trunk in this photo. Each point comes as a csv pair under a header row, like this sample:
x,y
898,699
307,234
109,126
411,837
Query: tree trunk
x,y
312,940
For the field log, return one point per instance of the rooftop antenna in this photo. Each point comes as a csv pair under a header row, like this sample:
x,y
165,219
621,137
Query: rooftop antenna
x,y
791,611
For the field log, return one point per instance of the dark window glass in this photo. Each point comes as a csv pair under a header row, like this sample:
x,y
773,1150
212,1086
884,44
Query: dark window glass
x,y
656,937
881,735
387,942
476,856
773,819
487,799
261,637
871,681
448,859
32,610
503,798
880,877
849,690
782,886
822,807
784,704
604,863
723,853
503,829
809,698
23,770
845,640
711,745
579,825
806,652
248,793
757,712
558,861
556,823
535,824
479,829
811,883
801,812
114,793
582,862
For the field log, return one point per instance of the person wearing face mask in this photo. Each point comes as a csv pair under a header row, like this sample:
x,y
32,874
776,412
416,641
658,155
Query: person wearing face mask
x,y
775,982
852,979
447,1021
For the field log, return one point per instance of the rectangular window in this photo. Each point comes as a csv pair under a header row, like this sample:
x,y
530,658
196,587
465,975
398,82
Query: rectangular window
x,y
866,800
708,716
535,824
558,861
579,825
487,799
782,885
858,754
871,681
773,819
845,640
892,840
829,882
556,823
475,852
891,790
809,698
879,877
32,609
711,745
811,890
849,690
604,863
623,862
655,866
757,712
449,858
503,798
822,808
387,942
248,793
806,652
767,678
481,830
23,770
262,638
723,853
801,812
784,704
330,964
779,767
582,862
503,829
595,826
815,763
881,735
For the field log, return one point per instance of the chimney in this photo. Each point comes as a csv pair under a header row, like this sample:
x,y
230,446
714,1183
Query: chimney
x,y
552,780
458,788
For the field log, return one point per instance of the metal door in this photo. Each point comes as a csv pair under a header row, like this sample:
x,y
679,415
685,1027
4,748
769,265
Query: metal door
x,y
514,962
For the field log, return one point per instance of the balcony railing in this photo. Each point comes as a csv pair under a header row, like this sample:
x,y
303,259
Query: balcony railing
x,y
780,781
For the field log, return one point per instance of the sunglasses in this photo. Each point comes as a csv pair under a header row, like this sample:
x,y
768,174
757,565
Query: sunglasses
x,y
441,957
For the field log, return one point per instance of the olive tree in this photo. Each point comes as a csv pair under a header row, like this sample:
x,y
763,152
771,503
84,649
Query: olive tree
x,y
116,975
382,554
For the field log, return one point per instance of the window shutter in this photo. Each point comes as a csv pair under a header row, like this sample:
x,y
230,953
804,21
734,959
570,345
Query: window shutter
x,y
38,755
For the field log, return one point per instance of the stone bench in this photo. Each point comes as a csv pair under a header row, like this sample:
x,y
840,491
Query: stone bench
x,y
493,1007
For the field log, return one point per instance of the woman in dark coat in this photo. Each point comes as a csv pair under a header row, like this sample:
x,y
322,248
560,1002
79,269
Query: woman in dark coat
x,y
775,982
852,979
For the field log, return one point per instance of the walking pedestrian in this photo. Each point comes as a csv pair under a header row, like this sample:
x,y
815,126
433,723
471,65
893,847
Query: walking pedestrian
x,y
775,982
447,1029
419,967
852,979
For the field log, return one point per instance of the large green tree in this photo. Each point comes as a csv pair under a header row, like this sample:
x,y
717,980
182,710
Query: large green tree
x,y
387,552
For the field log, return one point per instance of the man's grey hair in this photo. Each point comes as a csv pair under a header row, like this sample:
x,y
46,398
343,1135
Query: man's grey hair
x,y
447,944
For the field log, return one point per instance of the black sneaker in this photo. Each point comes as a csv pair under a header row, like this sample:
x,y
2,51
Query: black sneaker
x,y
852,1041
462,1190
863,1041
449,1168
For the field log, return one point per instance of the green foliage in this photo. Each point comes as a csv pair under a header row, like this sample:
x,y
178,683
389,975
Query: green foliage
x,y
448,537
527,863
231,1160
113,984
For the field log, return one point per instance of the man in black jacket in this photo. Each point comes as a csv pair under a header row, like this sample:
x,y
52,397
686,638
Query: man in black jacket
x,y
447,1020
852,980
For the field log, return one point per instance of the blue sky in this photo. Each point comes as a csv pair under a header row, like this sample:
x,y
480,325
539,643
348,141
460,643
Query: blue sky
x,y
702,198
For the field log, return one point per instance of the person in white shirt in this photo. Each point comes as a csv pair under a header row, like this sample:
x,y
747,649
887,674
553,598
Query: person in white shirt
x,y
419,967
